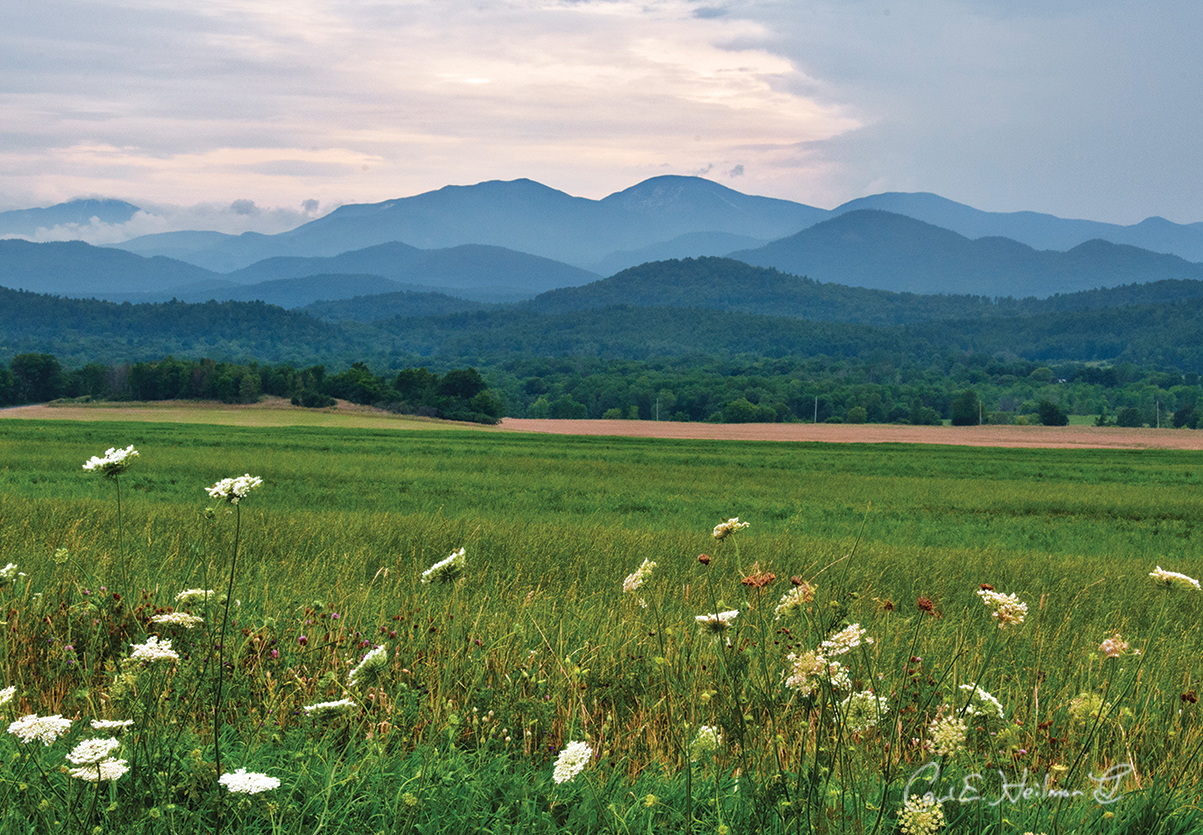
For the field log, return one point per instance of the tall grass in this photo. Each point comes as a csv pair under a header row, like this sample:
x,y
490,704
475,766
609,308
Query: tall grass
x,y
488,677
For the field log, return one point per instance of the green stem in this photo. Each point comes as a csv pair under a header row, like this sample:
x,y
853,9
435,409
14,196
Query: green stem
x,y
221,645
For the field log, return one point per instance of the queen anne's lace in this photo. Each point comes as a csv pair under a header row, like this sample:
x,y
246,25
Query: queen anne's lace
x,y
572,761
234,490
248,782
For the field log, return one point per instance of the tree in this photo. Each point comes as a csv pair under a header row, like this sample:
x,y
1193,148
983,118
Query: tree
x,y
1130,417
1051,414
37,378
965,408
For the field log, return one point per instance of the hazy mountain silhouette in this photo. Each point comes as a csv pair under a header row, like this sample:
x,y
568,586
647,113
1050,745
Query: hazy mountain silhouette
x,y
520,215
883,250
1041,231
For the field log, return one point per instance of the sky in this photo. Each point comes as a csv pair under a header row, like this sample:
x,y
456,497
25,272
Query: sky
x,y
258,114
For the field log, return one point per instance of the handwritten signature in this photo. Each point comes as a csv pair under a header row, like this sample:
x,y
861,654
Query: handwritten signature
x,y
1028,787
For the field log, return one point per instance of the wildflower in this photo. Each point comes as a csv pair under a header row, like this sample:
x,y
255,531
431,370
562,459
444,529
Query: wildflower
x,y
191,597
8,573
445,570
248,782
947,734
114,463
1169,579
6,695
1008,609
809,670
1085,708
982,704
708,740
234,490
925,605
846,640
716,623
45,729
1113,647
182,619
92,751
921,816
794,599
572,761
111,724
863,710
322,710
103,771
649,801
409,799
758,579
724,529
638,578
153,650
369,669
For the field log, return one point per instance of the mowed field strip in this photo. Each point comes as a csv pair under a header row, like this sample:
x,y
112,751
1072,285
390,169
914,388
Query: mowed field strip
x,y
279,412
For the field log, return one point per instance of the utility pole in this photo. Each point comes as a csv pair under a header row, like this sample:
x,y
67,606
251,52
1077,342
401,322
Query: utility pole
x,y
816,408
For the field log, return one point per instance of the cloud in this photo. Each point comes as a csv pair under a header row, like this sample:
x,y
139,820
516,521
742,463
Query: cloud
x,y
1076,107
147,99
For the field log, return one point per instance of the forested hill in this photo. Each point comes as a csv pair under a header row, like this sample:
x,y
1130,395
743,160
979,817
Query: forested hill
x,y
727,284
702,307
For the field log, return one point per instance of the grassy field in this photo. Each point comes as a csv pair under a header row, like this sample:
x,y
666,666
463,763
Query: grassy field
x,y
487,677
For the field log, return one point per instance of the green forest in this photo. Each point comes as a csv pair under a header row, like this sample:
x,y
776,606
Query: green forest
x,y
689,340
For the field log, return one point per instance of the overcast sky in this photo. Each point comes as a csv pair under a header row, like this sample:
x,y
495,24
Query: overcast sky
x,y
253,113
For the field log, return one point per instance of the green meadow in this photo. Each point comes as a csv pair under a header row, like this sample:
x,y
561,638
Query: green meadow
x,y
851,678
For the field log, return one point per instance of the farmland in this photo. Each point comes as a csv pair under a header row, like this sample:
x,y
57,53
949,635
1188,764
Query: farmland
x,y
534,644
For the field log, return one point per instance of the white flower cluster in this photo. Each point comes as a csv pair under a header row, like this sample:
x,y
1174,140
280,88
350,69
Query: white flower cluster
x,y
101,772
846,640
8,573
369,669
45,729
793,600
114,463
1113,646
1008,610
447,569
182,619
982,703
864,710
809,670
947,734
572,761
1169,579
921,816
92,751
323,710
234,490
111,724
248,782
191,597
153,650
633,581
6,695
724,529
708,740
717,623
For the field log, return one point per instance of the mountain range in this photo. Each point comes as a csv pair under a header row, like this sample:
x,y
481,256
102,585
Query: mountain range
x,y
502,242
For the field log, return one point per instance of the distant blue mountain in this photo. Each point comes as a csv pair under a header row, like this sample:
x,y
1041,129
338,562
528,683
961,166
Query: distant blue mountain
x,y
519,215
1037,230
887,251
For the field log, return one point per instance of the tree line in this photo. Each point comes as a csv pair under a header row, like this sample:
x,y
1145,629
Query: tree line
x,y
459,394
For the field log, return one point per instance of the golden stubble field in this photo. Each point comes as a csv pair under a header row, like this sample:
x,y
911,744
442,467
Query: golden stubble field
x,y
279,412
